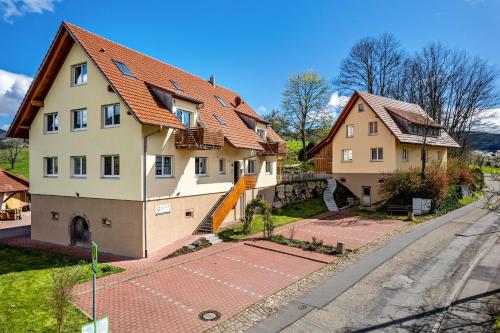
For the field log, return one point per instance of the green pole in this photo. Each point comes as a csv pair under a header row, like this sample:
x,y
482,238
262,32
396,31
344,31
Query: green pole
x,y
94,284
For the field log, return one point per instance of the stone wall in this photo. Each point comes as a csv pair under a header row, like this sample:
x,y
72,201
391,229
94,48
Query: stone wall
x,y
297,192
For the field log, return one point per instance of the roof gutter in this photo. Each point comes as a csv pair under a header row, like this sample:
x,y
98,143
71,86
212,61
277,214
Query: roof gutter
x,y
145,188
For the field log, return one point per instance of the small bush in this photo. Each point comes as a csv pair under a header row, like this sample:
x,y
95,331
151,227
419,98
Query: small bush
x,y
401,186
450,202
459,172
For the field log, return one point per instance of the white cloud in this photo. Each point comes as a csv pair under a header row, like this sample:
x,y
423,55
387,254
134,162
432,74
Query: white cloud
x,y
5,127
13,87
489,121
336,103
262,110
12,8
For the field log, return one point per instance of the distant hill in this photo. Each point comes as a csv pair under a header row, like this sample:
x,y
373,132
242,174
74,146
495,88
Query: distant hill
x,y
485,141
2,134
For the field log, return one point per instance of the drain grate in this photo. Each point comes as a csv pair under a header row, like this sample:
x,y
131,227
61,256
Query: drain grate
x,y
209,315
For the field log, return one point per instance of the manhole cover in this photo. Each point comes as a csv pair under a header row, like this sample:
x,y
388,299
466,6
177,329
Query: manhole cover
x,y
209,315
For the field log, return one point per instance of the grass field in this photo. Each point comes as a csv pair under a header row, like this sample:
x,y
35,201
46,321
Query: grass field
x,y
283,216
24,290
22,165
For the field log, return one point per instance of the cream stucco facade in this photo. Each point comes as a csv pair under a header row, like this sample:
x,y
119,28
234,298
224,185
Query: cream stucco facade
x,y
362,174
113,206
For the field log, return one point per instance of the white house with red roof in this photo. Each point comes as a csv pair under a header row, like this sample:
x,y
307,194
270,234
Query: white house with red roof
x,y
133,153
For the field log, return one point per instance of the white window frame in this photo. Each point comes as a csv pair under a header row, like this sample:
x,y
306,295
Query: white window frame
x,y
113,161
349,131
348,153
73,74
262,133
197,163
222,163
379,154
162,166
189,113
361,107
55,121
269,167
404,154
113,125
74,114
83,161
55,167
253,163
373,128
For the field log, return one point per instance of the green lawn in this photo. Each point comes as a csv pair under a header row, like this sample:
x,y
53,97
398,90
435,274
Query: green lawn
x,y
24,289
22,165
283,216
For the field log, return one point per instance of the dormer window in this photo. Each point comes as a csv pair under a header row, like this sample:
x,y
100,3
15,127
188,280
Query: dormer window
x,y
219,119
262,133
123,68
79,74
221,101
184,117
176,85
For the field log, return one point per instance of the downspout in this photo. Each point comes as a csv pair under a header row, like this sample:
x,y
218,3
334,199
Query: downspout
x,y
144,189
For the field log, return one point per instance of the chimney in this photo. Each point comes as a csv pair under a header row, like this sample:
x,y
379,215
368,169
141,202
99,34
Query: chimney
x,y
212,80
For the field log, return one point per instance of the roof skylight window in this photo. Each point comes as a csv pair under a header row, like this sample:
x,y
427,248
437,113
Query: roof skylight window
x,y
219,119
221,101
176,85
123,68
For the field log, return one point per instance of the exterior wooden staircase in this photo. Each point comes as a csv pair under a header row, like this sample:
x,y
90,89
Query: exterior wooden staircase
x,y
213,220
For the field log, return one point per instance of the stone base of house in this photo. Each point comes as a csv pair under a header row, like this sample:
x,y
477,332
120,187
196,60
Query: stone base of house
x,y
357,182
117,225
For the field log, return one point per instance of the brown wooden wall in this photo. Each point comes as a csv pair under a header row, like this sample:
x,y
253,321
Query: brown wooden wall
x,y
323,159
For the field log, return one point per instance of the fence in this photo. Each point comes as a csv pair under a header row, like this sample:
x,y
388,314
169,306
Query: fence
x,y
301,177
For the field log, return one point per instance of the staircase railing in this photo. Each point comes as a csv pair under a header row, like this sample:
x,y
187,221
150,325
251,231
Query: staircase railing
x,y
244,183
206,223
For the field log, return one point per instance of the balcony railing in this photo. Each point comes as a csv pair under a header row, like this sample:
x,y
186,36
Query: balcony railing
x,y
199,138
274,148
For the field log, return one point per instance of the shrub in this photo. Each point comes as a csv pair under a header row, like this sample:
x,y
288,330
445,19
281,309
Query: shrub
x,y
459,172
450,202
401,186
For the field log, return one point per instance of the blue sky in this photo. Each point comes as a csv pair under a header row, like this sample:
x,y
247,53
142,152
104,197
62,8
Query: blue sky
x,y
250,46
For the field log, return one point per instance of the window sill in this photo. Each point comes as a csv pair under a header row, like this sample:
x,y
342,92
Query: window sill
x,y
200,176
79,177
51,176
111,126
376,160
52,132
268,173
346,161
78,84
78,129
372,134
110,177
164,176
349,137
222,173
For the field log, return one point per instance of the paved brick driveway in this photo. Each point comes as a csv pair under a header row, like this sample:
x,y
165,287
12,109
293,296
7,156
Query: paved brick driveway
x,y
354,231
170,299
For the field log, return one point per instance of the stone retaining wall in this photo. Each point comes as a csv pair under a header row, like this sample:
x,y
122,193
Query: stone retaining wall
x,y
297,192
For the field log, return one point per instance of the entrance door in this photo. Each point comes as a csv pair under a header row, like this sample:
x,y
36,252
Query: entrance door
x,y
236,171
366,197
80,233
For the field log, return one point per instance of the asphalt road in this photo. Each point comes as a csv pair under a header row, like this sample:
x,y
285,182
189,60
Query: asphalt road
x,y
403,287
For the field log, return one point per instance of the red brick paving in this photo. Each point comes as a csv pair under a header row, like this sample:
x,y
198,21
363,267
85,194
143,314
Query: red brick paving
x,y
354,231
323,258
171,299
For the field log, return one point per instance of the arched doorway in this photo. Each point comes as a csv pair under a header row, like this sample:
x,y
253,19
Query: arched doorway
x,y
80,233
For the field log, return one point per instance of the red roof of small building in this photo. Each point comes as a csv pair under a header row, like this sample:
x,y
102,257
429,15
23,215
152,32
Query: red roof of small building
x,y
12,183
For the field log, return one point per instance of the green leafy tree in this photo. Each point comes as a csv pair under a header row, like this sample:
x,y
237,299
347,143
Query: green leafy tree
x,y
304,104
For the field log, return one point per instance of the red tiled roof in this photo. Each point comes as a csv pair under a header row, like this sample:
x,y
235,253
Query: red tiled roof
x,y
382,106
135,92
12,183
147,70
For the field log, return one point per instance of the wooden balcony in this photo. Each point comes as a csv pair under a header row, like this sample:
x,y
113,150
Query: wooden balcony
x,y
199,138
273,148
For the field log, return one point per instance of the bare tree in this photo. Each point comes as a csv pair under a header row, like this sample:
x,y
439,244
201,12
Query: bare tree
x,y
278,123
63,281
304,104
13,147
373,66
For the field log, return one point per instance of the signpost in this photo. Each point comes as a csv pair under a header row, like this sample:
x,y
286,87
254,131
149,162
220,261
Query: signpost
x,y
101,325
